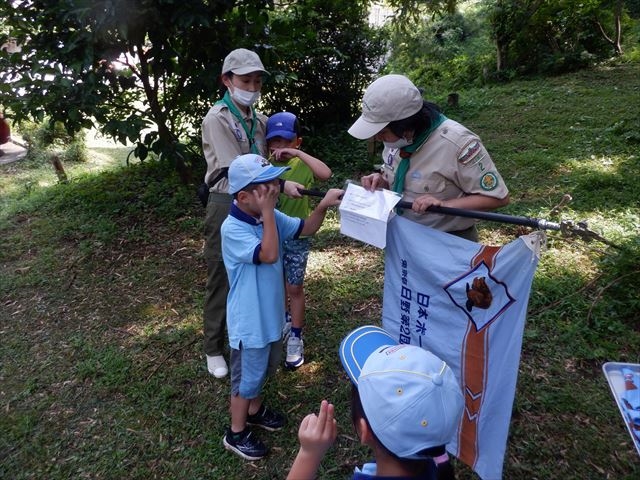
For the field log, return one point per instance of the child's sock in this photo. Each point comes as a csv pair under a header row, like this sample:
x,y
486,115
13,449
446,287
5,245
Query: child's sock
x,y
296,332
235,436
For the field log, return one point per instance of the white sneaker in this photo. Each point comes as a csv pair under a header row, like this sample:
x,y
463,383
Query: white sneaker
x,y
217,366
295,352
286,328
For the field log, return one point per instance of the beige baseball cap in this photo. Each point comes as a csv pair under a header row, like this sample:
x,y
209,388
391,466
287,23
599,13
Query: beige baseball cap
x,y
242,61
387,99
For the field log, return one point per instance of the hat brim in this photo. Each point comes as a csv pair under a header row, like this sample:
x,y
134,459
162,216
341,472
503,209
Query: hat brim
x,y
358,345
247,70
363,129
268,174
287,134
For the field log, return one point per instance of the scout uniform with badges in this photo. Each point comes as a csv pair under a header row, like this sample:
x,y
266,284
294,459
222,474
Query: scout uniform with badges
x,y
441,159
220,148
432,170
227,132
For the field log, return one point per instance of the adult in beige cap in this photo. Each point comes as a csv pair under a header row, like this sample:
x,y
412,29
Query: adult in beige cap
x,y
232,127
428,158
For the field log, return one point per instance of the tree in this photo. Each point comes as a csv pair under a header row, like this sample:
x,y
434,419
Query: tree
x,y
321,54
125,65
129,66
614,40
507,19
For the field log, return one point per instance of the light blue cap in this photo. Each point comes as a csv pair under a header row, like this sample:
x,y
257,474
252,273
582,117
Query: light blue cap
x,y
251,168
411,398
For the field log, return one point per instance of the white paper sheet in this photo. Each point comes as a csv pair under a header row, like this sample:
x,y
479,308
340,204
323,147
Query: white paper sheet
x,y
364,214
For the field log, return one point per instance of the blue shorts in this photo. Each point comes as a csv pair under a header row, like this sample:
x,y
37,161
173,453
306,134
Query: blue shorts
x,y
250,368
295,254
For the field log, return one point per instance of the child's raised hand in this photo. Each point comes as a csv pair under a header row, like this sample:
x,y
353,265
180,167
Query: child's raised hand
x,y
318,432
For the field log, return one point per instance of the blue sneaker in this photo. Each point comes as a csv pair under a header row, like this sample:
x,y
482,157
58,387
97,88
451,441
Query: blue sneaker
x,y
267,419
244,444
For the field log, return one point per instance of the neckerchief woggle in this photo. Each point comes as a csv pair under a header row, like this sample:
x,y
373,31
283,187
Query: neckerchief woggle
x,y
405,153
236,113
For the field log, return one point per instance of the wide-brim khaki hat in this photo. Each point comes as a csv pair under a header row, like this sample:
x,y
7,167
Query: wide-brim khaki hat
x,y
242,61
387,99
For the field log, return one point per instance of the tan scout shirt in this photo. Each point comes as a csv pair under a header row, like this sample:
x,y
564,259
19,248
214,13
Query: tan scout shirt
x,y
223,139
452,163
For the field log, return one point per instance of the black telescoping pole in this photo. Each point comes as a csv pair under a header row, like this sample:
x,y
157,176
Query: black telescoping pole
x,y
460,212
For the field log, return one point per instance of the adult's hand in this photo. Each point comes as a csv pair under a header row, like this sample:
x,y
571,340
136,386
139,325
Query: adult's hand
x,y
373,181
291,189
423,202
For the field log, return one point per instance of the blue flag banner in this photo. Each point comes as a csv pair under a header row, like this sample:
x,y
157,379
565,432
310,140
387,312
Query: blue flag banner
x,y
467,303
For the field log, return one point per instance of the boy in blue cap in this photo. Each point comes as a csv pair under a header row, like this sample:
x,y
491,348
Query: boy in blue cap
x,y
406,405
252,236
283,142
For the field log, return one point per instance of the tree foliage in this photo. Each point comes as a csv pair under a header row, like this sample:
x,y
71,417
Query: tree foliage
x,y
146,71
544,36
500,39
322,53
133,66
125,64
443,51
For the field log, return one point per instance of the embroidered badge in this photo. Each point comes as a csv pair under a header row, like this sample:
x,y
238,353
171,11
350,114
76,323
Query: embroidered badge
x,y
391,156
469,152
236,131
263,161
489,181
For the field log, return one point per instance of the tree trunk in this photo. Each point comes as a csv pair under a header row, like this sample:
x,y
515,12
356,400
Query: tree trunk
x,y
59,169
616,41
501,55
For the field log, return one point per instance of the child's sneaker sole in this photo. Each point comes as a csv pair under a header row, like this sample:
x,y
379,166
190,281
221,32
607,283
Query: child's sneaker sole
x,y
240,453
293,365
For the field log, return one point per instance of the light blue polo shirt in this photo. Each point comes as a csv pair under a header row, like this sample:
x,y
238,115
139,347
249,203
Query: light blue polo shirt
x,y
255,305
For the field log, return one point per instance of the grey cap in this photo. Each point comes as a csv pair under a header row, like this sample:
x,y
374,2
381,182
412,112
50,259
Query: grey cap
x,y
387,99
242,61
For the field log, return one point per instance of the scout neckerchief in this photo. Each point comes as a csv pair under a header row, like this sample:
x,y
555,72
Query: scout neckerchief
x,y
406,152
236,113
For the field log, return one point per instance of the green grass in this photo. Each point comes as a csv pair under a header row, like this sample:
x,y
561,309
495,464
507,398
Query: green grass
x,y
102,281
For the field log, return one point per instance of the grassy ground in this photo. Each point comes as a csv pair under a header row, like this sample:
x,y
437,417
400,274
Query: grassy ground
x,y
101,282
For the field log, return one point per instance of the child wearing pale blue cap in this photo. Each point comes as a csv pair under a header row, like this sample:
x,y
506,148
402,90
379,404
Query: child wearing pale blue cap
x,y
406,405
252,237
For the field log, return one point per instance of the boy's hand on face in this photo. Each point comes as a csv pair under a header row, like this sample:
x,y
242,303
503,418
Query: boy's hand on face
x,y
266,196
282,154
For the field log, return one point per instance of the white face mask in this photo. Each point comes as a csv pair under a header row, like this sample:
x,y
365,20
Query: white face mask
x,y
245,98
401,142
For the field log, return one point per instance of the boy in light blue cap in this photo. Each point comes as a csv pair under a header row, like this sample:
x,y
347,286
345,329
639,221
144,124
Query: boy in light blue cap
x,y
252,236
406,405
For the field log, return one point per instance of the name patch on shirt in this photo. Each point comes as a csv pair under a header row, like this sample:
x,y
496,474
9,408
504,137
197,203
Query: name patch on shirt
x,y
469,152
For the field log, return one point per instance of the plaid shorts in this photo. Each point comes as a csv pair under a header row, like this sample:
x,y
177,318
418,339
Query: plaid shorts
x,y
295,254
